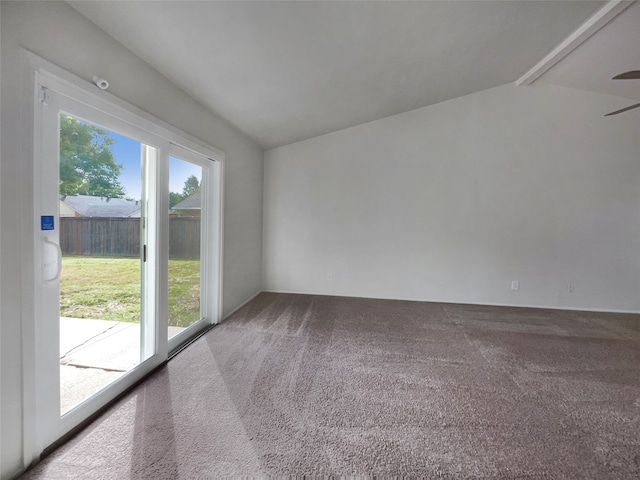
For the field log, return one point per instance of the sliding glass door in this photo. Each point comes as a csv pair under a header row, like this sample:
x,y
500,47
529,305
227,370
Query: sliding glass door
x,y
97,287
127,256
188,268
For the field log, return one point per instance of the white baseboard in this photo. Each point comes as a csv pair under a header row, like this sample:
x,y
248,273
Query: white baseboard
x,y
487,304
241,305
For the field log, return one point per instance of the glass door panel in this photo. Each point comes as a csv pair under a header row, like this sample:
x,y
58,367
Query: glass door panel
x,y
102,240
187,190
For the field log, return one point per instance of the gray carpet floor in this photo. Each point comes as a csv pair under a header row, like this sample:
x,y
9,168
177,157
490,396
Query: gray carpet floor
x,y
313,385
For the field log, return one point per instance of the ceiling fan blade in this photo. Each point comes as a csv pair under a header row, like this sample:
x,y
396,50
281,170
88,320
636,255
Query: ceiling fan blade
x,y
632,75
631,107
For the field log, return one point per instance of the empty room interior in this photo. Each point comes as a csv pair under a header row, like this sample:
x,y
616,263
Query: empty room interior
x,y
320,238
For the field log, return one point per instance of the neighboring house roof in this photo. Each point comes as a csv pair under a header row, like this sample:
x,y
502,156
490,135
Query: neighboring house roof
x,y
89,206
192,202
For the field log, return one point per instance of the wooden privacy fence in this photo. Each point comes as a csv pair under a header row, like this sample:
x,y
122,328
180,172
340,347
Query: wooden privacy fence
x,y
120,237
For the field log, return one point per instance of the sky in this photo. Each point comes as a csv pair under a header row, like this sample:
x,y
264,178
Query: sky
x,y
127,153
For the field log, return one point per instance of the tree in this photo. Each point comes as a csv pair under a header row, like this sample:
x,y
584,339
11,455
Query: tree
x,y
174,199
87,164
191,186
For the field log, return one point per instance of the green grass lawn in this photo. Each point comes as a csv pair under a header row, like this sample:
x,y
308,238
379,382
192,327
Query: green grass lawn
x,y
108,288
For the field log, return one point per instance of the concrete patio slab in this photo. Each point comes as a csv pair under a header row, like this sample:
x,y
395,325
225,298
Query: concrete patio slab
x,y
109,345
78,384
77,331
94,353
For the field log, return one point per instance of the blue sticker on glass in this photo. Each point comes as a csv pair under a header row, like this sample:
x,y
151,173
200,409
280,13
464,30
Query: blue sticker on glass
x,y
46,222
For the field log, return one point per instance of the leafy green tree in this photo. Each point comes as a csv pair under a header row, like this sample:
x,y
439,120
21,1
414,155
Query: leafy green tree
x,y
191,186
174,199
87,164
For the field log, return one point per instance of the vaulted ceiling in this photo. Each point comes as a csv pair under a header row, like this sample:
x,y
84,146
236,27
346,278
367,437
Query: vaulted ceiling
x,y
287,71
612,50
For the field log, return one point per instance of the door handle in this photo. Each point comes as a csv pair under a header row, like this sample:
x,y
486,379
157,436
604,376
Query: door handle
x,y
46,266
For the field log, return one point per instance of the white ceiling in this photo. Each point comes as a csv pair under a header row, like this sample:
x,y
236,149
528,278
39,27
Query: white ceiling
x,y
612,50
287,71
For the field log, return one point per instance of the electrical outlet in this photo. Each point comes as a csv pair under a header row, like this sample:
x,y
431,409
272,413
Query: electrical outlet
x,y
570,288
515,285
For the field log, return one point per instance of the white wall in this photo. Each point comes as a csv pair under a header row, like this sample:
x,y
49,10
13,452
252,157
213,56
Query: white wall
x,y
454,201
58,33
